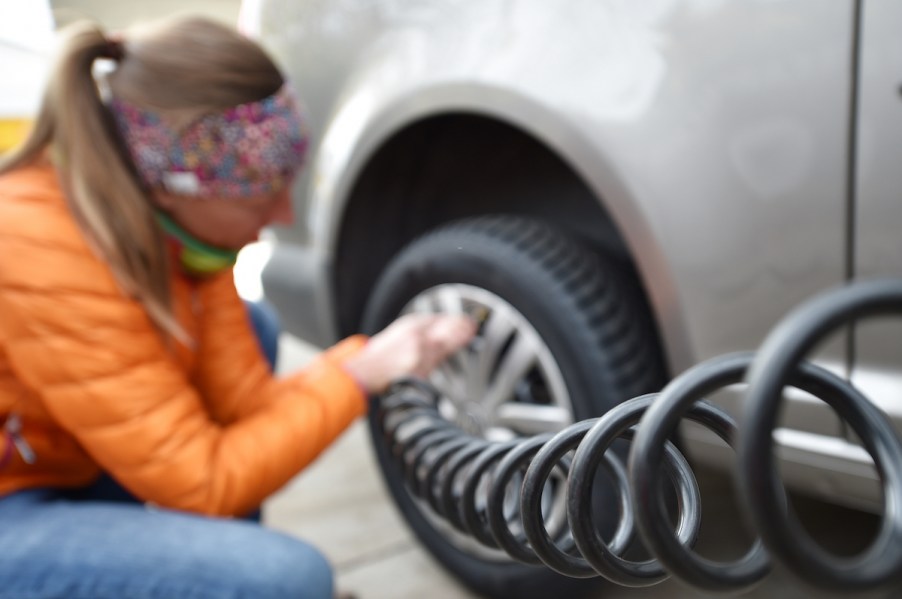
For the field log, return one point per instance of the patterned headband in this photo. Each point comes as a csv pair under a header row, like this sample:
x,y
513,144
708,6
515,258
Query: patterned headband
x,y
249,150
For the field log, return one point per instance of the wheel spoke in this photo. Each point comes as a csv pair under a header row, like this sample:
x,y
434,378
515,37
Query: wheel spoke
x,y
498,434
452,382
449,300
496,332
515,363
457,366
423,303
531,419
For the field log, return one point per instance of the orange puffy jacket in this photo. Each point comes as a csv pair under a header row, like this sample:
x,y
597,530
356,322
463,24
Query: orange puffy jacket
x,y
206,430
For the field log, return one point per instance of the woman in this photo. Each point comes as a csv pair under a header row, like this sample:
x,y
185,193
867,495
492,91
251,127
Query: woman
x,y
139,415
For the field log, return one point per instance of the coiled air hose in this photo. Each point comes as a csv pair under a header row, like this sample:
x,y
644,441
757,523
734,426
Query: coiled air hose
x,y
470,481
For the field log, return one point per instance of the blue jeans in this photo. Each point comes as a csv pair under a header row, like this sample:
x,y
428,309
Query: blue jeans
x,y
101,543
55,547
266,325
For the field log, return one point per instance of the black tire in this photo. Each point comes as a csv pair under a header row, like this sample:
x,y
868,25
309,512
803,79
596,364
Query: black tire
x,y
589,312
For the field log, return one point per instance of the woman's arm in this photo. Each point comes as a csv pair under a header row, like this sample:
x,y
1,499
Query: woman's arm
x,y
231,373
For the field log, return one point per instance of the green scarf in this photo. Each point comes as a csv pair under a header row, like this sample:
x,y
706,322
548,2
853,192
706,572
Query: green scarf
x,y
195,256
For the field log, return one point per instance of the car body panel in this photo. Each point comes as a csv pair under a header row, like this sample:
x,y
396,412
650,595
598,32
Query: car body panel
x,y
715,133
878,245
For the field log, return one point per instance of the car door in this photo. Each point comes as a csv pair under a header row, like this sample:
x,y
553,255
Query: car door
x,y
878,185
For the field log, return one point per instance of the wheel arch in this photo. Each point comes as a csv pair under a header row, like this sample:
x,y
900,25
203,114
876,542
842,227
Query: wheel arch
x,y
451,161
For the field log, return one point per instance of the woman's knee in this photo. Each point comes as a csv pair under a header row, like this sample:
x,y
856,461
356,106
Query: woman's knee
x,y
292,568
267,564
110,550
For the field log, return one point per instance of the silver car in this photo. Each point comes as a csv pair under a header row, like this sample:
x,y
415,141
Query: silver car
x,y
617,189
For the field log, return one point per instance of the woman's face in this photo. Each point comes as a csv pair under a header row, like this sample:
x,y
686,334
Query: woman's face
x,y
228,223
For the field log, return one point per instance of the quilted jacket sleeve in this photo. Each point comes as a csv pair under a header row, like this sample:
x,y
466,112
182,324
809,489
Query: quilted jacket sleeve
x,y
231,368
107,378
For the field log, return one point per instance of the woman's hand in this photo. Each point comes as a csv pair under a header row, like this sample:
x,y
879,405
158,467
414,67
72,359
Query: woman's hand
x,y
413,345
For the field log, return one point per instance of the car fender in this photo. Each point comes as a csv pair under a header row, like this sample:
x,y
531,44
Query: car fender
x,y
362,126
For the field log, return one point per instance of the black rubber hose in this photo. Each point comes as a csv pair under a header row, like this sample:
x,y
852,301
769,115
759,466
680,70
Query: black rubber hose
x,y
472,482
607,558
879,565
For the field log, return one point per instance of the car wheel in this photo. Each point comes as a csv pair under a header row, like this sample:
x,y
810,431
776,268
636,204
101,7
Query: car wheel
x,y
564,335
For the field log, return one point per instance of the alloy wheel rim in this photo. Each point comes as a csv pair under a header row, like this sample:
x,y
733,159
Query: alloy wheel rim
x,y
504,385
